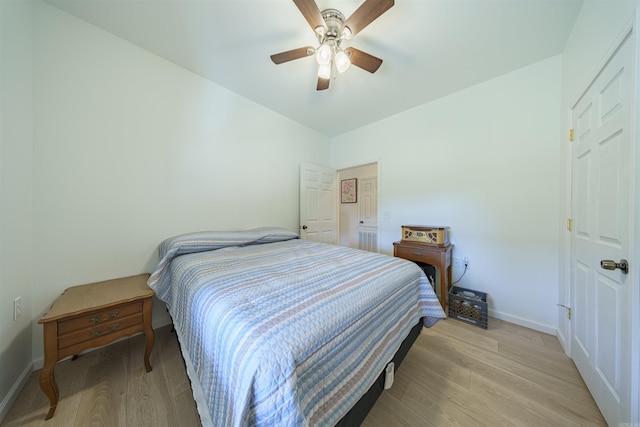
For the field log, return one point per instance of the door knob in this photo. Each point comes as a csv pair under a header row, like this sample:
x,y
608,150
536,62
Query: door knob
x,y
608,264
304,227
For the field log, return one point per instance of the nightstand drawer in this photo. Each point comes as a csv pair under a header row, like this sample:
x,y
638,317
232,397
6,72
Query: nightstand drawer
x,y
98,317
414,254
96,331
422,253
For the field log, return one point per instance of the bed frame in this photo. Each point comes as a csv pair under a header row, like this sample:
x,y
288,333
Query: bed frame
x,y
361,409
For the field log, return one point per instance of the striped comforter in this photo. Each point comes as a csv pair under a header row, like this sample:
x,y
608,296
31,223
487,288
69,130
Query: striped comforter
x,y
289,332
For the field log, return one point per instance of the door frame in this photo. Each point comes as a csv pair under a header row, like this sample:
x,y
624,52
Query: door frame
x,y
567,297
340,169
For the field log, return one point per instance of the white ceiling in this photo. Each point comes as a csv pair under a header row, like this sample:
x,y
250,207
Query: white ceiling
x,y
430,48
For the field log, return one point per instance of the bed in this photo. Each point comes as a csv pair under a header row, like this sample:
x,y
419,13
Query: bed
x,y
280,331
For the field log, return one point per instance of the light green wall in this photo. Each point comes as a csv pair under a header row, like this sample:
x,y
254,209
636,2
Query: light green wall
x,y
484,162
131,149
16,208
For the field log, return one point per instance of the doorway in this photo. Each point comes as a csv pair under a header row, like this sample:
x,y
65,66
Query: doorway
x,y
358,220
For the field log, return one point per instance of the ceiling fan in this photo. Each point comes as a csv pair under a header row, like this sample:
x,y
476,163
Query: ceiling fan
x,y
331,28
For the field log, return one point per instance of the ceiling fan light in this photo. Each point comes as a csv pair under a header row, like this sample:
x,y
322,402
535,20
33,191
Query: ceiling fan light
x,y
346,33
324,71
323,54
342,61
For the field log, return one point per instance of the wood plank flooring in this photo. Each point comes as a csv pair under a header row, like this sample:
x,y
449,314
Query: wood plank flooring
x,y
110,387
455,374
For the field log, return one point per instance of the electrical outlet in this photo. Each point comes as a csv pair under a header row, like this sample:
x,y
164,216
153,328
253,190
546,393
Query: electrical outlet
x,y
467,262
17,308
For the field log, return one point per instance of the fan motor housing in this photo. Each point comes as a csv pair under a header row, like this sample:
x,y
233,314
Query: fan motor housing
x,y
334,19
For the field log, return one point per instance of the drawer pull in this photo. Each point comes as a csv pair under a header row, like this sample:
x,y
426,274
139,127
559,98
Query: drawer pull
x,y
99,320
98,332
416,253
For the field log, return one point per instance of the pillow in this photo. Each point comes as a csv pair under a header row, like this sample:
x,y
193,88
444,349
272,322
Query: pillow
x,y
211,240
272,234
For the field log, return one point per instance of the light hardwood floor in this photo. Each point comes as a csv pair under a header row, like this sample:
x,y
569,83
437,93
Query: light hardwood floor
x,y
455,374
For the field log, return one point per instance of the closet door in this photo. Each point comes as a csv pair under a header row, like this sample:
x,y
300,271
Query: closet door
x,y
602,205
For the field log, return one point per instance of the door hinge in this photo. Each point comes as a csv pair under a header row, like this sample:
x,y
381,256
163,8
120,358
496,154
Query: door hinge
x,y
568,310
569,224
570,134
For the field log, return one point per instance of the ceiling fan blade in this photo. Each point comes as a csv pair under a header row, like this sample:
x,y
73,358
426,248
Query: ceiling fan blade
x,y
311,13
363,60
323,83
366,14
290,55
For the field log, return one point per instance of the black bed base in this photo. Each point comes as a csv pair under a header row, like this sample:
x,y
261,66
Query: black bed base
x,y
359,412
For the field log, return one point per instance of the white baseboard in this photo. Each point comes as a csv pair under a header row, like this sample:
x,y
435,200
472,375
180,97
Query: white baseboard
x,y
563,341
547,329
15,390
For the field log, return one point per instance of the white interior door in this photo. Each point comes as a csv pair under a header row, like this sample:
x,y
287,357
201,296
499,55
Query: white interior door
x,y
318,203
368,202
368,214
602,203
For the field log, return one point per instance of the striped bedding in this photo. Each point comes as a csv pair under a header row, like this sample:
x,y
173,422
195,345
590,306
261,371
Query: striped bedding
x,y
280,331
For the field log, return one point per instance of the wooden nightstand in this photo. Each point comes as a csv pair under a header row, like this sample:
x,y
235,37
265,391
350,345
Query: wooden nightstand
x,y
438,256
94,315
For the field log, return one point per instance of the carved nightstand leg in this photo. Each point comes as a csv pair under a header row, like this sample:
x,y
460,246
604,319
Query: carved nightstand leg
x,y
47,375
49,386
148,332
147,351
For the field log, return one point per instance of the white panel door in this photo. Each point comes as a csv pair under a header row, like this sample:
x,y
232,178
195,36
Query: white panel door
x,y
368,202
602,166
318,203
368,214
